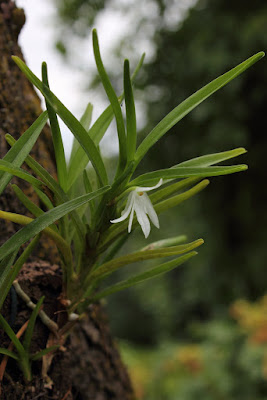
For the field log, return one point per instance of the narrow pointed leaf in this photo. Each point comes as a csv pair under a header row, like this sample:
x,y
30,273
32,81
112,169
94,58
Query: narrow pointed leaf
x,y
85,121
130,113
68,118
44,199
29,331
173,241
152,273
8,353
20,173
52,185
43,353
114,103
180,198
32,207
119,262
42,222
5,268
17,154
56,136
184,172
79,159
210,159
190,103
12,273
167,191
12,336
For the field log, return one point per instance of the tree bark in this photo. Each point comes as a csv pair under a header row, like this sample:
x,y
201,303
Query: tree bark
x,y
88,364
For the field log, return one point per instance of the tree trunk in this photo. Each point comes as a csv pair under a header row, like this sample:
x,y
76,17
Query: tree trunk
x,y
88,365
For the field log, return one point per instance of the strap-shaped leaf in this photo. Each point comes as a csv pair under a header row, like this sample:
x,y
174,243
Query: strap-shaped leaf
x,y
167,191
184,172
12,273
130,113
173,241
42,353
52,185
29,331
57,238
120,262
8,353
135,280
190,103
114,103
79,160
42,222
32,207
5,268
12,336
20,173
85,121
56,136
17,154
68,118
210,159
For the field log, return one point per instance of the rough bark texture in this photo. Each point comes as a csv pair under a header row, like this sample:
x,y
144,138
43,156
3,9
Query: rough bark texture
x,y
88,366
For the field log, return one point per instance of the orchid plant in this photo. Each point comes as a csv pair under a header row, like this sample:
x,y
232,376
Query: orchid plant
x,y
88,218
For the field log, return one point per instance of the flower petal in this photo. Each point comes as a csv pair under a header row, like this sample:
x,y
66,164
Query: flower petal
x,y
149,209
147,189
142,218
131,221
126,211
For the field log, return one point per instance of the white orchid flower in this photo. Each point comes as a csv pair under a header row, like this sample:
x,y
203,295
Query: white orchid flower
x,y
139,203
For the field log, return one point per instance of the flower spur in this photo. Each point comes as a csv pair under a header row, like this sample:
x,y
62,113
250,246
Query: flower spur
x,y
139,203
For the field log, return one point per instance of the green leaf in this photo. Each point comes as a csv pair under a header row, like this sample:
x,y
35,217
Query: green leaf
x,y
180,198
85,121
79,160
130,113
171,189
152,273
88,189
5,270
173,241
68,118
20,173
29,331
56,136
8,274
210,159
32,207
17,154
119,262
8,353
114,103
189,104
11,334
45,220
53,186
43,352
87,117
44,199
184,172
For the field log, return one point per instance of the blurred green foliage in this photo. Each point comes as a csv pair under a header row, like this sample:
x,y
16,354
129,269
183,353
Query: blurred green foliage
x,y
222,361
230,214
